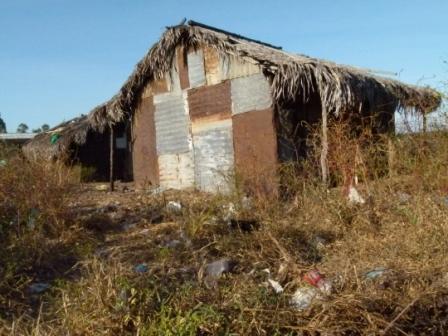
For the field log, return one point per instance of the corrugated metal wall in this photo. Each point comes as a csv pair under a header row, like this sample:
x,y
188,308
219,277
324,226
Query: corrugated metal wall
x,y
250,93
196,72
176,170
213,155
172,124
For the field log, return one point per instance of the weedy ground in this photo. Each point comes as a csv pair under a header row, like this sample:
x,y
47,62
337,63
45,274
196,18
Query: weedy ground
x,y
86,244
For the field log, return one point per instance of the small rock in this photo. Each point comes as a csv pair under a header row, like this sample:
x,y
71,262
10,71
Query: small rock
x,y
102,187
218,267
141,268
38,287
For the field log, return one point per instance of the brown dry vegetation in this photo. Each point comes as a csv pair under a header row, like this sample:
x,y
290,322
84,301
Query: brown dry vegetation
x,y
82,244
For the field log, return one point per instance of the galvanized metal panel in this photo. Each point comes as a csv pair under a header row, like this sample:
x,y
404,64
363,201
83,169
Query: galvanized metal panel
x,y
176,171
234,67
250,93
196,72
172,123
213,155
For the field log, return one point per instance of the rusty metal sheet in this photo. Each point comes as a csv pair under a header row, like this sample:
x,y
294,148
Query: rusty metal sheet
x,y
145,168
213,155
196,72
207,101
172,123
212,65
250,93
234,67
176,170
255,146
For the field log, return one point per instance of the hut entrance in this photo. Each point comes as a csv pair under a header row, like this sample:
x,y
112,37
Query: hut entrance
x,y
296,120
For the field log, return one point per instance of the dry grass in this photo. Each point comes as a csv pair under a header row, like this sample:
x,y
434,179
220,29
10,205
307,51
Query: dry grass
x,y
402,226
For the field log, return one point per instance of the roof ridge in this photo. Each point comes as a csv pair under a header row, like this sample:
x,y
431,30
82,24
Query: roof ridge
x,y
222,31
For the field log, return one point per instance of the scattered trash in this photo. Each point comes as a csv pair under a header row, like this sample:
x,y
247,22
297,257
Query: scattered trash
x,y
230,212
303,297
102,187
38,287
174,207
34,213
3,163
218,267
354,196
276,286
315,279
141,268
54,138
375,273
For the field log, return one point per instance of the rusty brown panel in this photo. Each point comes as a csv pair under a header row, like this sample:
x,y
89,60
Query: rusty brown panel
x,y
145,166
182,66
212,66
209,101
255,147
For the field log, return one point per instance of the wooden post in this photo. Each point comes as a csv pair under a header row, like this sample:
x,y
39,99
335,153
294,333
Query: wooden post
x,y
390,156
425,123
111,157
324,152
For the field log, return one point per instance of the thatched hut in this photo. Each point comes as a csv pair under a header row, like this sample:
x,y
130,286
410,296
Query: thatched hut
x,y
76,142
204,102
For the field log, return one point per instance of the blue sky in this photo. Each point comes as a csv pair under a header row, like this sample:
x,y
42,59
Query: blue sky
x,y
60,58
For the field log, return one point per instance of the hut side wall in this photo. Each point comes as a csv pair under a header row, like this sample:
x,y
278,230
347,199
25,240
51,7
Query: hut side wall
x,y
195,108
145,164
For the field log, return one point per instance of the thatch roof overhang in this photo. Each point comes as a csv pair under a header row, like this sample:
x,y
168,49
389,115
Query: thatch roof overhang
x,y
293,76
55,143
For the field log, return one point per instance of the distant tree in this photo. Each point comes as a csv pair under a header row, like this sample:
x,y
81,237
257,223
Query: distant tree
x,y
2,125
45,127
22,128
36,130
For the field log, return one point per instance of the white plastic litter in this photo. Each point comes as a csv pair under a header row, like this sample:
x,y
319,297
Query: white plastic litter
x,y
174,207
303,297
276,286
354,196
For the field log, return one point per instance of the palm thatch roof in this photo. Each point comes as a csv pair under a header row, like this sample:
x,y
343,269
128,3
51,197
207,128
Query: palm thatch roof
x,y
56,142
292,76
